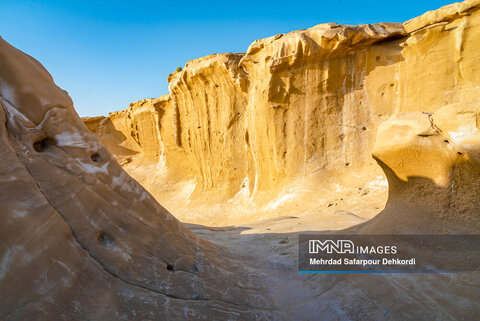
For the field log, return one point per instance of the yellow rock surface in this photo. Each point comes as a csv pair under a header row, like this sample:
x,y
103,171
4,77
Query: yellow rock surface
x,y
294,104
298,109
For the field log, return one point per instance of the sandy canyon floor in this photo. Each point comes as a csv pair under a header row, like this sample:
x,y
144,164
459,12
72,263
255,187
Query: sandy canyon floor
x,y
265,239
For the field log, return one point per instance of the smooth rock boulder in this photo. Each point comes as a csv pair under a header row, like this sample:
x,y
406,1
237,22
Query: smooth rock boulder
x,y
81,239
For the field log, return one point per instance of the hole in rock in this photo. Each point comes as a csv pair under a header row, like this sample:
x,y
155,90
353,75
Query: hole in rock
x,y
105,238
41,145
446,141
95,157
170,267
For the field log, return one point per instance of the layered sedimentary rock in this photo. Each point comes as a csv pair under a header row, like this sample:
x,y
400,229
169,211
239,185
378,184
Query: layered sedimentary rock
x,y
440,59
311,100
82,240
146,132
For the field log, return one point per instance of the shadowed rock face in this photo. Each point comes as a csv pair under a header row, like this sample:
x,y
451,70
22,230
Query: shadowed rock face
x,y
432,162
79,238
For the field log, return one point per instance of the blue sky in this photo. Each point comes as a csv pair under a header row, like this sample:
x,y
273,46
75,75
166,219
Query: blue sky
x,y
107,54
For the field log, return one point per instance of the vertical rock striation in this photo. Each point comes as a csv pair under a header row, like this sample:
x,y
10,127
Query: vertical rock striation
x,y
309,101
209,109
305,102
256,120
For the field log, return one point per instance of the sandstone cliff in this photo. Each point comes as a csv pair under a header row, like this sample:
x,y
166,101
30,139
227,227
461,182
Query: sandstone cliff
x,y
258,118
301,105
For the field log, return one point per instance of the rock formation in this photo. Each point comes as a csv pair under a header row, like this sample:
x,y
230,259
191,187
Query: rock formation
x,y
254,120
305,102
80,239
297,114
432,165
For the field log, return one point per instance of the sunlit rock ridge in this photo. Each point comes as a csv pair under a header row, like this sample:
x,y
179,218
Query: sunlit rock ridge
x,y
294,104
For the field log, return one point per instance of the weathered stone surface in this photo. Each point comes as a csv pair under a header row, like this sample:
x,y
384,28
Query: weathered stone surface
x,y
432,162
82,240
209,111
308,101
255,120
440,59
309,98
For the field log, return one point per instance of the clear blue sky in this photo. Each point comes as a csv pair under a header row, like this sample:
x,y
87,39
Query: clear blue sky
x,y
107,54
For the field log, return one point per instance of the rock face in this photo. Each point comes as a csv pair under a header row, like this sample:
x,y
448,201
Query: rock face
x,y
145,129
307,101
209,116
308,98
440,64
82,240
432,165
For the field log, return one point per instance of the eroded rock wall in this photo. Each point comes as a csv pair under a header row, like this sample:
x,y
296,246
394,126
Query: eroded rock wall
x,y
209,109
309,98
441,58
254,120
308,101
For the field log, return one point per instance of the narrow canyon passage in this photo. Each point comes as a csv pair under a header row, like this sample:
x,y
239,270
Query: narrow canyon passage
x,y
194,205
